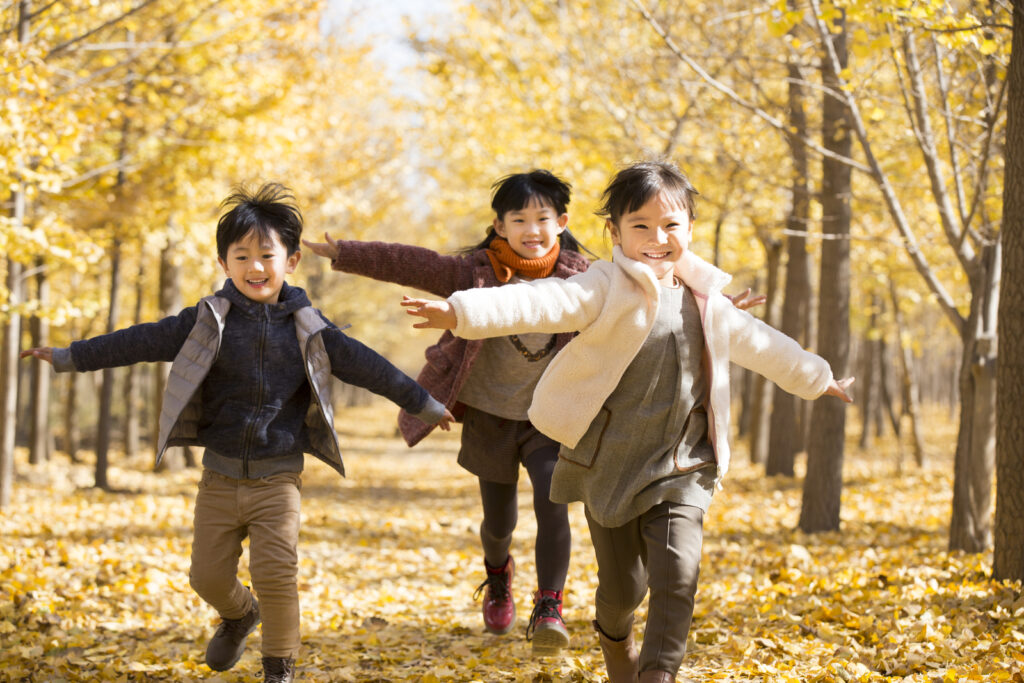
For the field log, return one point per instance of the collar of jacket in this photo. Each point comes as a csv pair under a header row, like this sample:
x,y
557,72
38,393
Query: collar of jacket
x,y
290,300
695,272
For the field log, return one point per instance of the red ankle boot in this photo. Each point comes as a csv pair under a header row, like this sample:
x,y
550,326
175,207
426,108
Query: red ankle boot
x,y
499,607
546,629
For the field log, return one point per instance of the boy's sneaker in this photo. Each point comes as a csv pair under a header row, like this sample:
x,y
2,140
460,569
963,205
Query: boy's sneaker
x,y
499,608
278,670
228,643
546,629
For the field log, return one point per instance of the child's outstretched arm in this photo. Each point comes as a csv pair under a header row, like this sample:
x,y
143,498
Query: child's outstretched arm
x,y
438,315
355,363
402,264
145,342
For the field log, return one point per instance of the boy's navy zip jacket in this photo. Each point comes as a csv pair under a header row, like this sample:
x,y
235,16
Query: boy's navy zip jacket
x,y
249,381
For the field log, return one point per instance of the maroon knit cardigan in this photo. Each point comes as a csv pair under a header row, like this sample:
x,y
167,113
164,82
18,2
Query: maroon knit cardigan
x,y
449,360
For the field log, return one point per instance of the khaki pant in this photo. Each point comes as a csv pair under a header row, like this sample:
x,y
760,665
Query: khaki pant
x,y
267,511
659,550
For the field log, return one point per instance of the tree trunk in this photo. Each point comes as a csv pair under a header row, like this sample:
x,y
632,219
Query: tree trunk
x,y
867,392
9,376
131,389
12,326
911,400
786,433
884,394
970,527
823,484
761,398
1008,556
39,438
103,426
71,433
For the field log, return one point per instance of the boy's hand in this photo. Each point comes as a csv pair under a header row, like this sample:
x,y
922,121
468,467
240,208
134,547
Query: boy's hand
x,y
42,353
439,314
741,301
838,388
327,249
445,422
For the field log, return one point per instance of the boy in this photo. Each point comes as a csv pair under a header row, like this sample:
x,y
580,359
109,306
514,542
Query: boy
x,y
250,383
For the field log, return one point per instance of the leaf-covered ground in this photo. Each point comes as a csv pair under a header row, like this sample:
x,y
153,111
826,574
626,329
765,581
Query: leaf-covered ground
x,y
94,587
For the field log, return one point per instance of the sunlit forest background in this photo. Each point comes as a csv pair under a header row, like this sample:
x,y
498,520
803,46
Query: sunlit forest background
x,y
849,156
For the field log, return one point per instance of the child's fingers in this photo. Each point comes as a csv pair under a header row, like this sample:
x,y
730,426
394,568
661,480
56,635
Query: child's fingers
x,y
413,306
839,389
44,353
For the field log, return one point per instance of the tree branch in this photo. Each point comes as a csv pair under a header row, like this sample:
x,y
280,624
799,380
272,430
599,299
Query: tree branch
x,y
735,97
926,143
68,44
881,179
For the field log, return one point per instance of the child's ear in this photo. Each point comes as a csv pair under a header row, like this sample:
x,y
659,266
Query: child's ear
x,y
612,230
292,262
499,227
563,221
223,265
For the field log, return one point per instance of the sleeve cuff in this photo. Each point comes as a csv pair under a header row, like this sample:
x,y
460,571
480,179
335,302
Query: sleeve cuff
x,y
431,413
62,361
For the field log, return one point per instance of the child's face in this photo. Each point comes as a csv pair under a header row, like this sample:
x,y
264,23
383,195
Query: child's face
x,y
533,230
658,234
258,269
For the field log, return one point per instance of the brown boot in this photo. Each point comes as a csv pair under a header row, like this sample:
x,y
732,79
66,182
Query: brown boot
x,y
656,676
621,659
228,643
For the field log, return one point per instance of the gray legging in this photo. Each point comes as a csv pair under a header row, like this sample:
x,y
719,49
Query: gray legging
x,y
659,550
500,503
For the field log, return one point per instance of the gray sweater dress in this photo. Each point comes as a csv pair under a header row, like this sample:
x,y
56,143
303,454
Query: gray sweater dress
x,y
649,443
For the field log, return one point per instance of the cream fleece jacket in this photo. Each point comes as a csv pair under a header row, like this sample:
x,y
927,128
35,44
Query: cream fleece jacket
x,y
613,306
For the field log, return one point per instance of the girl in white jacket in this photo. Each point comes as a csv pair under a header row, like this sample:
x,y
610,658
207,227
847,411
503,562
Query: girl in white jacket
x,y
639,401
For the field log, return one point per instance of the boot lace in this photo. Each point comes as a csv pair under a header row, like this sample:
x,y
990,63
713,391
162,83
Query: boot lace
x,y
235,628
545,608
278,669
498,590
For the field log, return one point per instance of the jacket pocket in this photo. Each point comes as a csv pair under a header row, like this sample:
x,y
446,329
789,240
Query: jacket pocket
x,y
587,449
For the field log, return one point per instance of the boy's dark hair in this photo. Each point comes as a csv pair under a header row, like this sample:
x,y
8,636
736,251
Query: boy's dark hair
x,y
637,184
271,208
514,192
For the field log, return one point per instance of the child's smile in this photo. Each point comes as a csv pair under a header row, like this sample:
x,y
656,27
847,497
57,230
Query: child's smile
x,y
258,268
657,234
533,230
